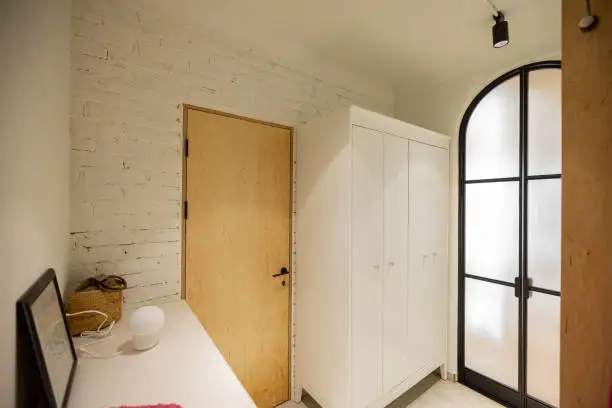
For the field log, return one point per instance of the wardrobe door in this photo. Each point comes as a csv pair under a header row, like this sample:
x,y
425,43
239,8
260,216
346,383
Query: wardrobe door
x,y
395,267
428,238
366,276
439,204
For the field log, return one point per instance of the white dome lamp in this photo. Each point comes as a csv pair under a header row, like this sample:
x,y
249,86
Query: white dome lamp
x,y
590,21
146,324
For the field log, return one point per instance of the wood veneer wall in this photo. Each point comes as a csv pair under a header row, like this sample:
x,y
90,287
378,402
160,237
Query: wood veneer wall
x,y
586,301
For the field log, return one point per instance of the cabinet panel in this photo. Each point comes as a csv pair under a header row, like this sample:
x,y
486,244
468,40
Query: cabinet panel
x,y
428,242
395,285
367,267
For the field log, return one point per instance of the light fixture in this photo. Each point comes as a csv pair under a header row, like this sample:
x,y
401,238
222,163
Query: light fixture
x,y
590,21
501,36
146,324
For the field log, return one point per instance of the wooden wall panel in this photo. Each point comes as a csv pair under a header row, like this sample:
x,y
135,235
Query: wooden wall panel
x,y
586,302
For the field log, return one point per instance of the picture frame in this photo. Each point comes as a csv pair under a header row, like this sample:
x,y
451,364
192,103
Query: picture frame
x,y
42,313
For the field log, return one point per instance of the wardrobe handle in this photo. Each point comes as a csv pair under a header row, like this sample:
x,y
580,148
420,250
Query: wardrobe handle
x,y
376,267
391,263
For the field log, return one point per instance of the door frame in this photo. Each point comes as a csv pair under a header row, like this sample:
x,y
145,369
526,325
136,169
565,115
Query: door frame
x,y
491,388
184,211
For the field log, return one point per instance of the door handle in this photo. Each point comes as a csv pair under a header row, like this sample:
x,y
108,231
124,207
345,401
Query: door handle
x,y
529,286
283,271
525,289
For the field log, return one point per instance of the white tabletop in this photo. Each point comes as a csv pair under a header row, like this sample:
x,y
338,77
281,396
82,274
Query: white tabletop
x,y
184,368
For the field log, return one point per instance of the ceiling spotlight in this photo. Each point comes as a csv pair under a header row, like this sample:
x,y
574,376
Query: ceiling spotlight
x,y
501,36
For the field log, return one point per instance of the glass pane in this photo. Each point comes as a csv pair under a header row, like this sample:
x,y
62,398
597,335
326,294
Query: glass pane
x,y
544,331
492,230
544,233
544,122
491,331
492,139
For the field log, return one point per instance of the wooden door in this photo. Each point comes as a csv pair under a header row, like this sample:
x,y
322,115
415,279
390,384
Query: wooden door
x,y
237,235
429,213
395,282
366,274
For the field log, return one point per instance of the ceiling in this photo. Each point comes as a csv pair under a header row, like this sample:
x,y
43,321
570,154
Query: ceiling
x,y
401,41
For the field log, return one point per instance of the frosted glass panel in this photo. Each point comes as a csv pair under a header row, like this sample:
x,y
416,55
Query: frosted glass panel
x,y
544,233
543,338
492,138
492,230
545,122
491,331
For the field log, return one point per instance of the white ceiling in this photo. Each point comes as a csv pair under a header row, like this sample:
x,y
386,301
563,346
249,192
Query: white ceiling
x,y
402,41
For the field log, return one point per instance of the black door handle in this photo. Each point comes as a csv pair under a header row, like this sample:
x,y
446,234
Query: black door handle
x,y
284,271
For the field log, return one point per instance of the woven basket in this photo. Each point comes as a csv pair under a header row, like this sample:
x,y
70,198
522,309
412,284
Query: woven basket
x,y
109,302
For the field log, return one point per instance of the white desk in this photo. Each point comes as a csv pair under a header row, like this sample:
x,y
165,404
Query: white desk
x,y
184,368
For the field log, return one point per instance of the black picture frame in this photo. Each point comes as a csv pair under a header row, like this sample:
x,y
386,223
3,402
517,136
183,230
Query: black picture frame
x,y
24,309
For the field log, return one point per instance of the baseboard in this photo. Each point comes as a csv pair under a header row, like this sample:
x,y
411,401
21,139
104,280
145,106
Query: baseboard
x,y
403,387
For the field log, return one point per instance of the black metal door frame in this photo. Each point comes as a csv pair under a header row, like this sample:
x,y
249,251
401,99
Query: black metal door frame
x,y
522,286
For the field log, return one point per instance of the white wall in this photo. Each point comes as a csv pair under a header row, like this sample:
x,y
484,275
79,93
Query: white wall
x,y
441,108
133,64
34,155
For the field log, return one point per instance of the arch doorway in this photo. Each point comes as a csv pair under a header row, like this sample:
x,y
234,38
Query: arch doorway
x,y
510,238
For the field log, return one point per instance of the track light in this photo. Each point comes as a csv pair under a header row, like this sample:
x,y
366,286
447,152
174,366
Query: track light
x,y
501,36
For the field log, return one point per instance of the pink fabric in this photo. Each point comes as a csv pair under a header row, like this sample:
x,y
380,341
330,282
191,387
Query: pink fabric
x,y
152,406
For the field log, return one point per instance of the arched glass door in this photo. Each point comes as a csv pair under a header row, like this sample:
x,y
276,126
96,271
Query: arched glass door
x,y
510,238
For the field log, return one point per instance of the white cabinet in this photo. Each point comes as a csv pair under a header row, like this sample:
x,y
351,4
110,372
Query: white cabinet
x,y
371,261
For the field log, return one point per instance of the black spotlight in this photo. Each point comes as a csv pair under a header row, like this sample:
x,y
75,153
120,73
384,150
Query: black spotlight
x,y
501,38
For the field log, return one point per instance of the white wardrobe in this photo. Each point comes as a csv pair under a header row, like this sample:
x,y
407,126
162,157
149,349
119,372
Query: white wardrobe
x,y
372,257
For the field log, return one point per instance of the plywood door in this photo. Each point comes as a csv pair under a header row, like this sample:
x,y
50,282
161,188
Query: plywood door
x,y
428,279
395,282
366,274
237,236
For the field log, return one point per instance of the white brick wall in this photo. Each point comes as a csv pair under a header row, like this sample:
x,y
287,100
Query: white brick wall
x,y
132,67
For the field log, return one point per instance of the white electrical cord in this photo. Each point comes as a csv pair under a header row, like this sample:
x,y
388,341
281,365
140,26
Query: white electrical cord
x,y
99,334
495,9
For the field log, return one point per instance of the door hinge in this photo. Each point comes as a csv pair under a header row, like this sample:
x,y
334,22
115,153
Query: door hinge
x,y
185,209
186,147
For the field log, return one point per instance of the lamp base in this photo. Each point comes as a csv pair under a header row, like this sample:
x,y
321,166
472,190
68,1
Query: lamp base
x,y
588,23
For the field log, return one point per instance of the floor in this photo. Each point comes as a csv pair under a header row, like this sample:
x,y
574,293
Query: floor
x,y
441,394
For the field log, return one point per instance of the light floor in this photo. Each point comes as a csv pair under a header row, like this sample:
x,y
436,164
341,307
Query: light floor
x,y
442,394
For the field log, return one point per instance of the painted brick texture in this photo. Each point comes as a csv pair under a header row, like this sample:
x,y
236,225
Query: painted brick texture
x,y
133,65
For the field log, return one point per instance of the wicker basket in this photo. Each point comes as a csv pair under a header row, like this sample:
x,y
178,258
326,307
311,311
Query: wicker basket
x,y
109,302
